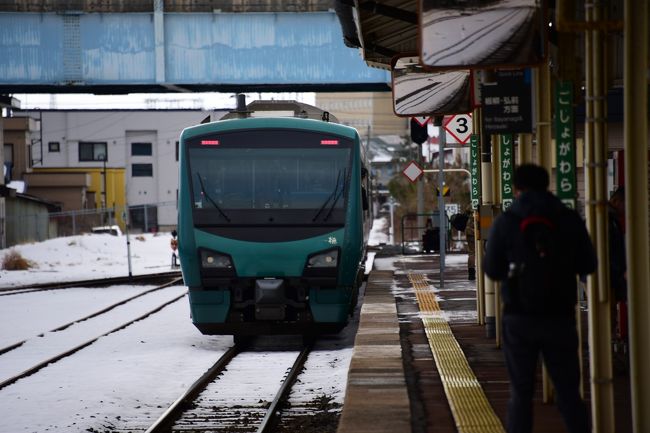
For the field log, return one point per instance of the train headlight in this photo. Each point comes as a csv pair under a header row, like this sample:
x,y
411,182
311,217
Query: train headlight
x,y
325,259
214,260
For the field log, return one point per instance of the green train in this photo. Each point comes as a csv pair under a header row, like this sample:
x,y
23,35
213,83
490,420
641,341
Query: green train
x,y
273,221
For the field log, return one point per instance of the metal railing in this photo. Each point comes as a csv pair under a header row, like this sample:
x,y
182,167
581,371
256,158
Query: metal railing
x,y
417,238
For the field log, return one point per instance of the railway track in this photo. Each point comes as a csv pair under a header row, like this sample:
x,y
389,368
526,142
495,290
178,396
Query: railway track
x,y
95,314
205,407
102,282
14,373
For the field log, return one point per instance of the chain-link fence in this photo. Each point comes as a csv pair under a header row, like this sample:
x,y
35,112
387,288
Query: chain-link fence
x,y
36,226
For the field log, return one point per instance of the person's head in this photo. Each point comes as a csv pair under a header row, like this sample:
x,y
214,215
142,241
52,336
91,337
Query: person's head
x,y
530,177
617,200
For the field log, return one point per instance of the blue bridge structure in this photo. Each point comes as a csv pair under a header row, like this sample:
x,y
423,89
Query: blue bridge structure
x,y
156,51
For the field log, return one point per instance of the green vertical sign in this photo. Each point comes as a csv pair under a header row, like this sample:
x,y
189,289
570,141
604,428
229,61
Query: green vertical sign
x,y
507,170
475,171
565,148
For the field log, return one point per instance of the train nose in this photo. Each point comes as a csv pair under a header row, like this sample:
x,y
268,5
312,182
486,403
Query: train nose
x,y
270,299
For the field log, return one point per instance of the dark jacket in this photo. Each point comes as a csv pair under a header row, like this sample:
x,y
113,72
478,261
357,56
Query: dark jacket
x,y
578,254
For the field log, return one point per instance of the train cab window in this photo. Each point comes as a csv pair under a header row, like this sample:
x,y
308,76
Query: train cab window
x,y
306,183
278,178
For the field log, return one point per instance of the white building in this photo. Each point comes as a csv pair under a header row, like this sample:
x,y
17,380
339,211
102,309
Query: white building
x,y
130,158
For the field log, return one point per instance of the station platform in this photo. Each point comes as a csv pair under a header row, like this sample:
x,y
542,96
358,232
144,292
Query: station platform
x,y
422,363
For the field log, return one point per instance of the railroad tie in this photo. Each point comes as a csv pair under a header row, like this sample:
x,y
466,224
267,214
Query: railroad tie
x,y
469,406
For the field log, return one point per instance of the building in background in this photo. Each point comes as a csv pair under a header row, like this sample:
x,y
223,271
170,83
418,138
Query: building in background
x,y
82,160
371,113
92,159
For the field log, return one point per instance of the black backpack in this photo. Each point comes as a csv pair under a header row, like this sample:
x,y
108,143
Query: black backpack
x,y
459,221
535,267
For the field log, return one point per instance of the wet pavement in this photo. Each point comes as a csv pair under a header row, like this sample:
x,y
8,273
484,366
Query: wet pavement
x,y
429,410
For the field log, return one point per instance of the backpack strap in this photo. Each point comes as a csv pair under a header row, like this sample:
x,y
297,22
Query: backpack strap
x,y
535,219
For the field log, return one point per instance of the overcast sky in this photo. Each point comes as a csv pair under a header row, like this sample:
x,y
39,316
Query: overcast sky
x,y
206,101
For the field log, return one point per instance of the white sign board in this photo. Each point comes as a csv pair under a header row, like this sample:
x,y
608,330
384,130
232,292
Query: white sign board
x,y
413,171
458,128
452,209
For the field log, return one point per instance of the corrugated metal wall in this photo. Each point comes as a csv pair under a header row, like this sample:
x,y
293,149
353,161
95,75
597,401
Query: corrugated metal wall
x,y
27,221
207,49
169,5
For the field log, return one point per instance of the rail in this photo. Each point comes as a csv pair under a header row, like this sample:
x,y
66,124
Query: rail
x,y
165,422
40,365
90,316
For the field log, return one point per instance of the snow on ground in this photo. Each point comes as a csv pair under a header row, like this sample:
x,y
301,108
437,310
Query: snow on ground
x,y
379,232
141,369
89,256
138,371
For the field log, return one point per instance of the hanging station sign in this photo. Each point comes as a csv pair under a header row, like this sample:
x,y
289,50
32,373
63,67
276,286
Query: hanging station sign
x,y
475,170
507,170
565,148
507,102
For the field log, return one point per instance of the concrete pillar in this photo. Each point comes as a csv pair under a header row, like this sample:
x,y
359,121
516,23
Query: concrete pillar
x,y
636,206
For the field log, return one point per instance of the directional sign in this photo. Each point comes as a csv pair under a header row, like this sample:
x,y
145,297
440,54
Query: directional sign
x,y
413,171
422,120
458,127
506,103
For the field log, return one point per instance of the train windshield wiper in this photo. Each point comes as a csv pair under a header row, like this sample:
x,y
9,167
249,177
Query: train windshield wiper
x,y
205,194
332,194
336,199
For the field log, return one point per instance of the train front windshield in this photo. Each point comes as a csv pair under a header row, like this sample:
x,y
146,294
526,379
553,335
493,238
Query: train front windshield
x,y
283,176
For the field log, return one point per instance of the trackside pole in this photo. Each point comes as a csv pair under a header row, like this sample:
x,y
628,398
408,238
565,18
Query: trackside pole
x,y
488,201
125,218
600,340
391,231
441,199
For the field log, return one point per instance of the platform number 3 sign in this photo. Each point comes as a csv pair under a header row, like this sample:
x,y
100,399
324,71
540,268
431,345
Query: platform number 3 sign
x,y
458,128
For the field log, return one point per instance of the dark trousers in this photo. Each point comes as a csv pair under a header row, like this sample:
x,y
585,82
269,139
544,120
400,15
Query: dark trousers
x,y
556,339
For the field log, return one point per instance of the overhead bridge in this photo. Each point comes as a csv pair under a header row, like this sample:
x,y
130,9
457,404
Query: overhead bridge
x,y
67,51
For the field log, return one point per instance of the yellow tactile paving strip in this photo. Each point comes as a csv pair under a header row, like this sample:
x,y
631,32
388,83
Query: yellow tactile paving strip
x,y
470,408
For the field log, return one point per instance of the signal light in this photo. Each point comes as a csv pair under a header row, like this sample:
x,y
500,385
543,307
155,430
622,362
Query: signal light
x,y
329,142
210,142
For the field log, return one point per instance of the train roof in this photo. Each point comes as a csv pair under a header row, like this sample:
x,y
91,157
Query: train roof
x,y
281,108
269,122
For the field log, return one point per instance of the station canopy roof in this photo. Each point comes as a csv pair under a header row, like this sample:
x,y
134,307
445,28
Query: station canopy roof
x,y
382,29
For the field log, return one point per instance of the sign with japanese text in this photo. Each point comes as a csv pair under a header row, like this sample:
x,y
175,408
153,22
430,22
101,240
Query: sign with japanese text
x,y
507,170
507,107
475,170
565,144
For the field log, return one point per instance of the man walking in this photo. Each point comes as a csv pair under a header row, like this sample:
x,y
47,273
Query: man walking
x,y
536,249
